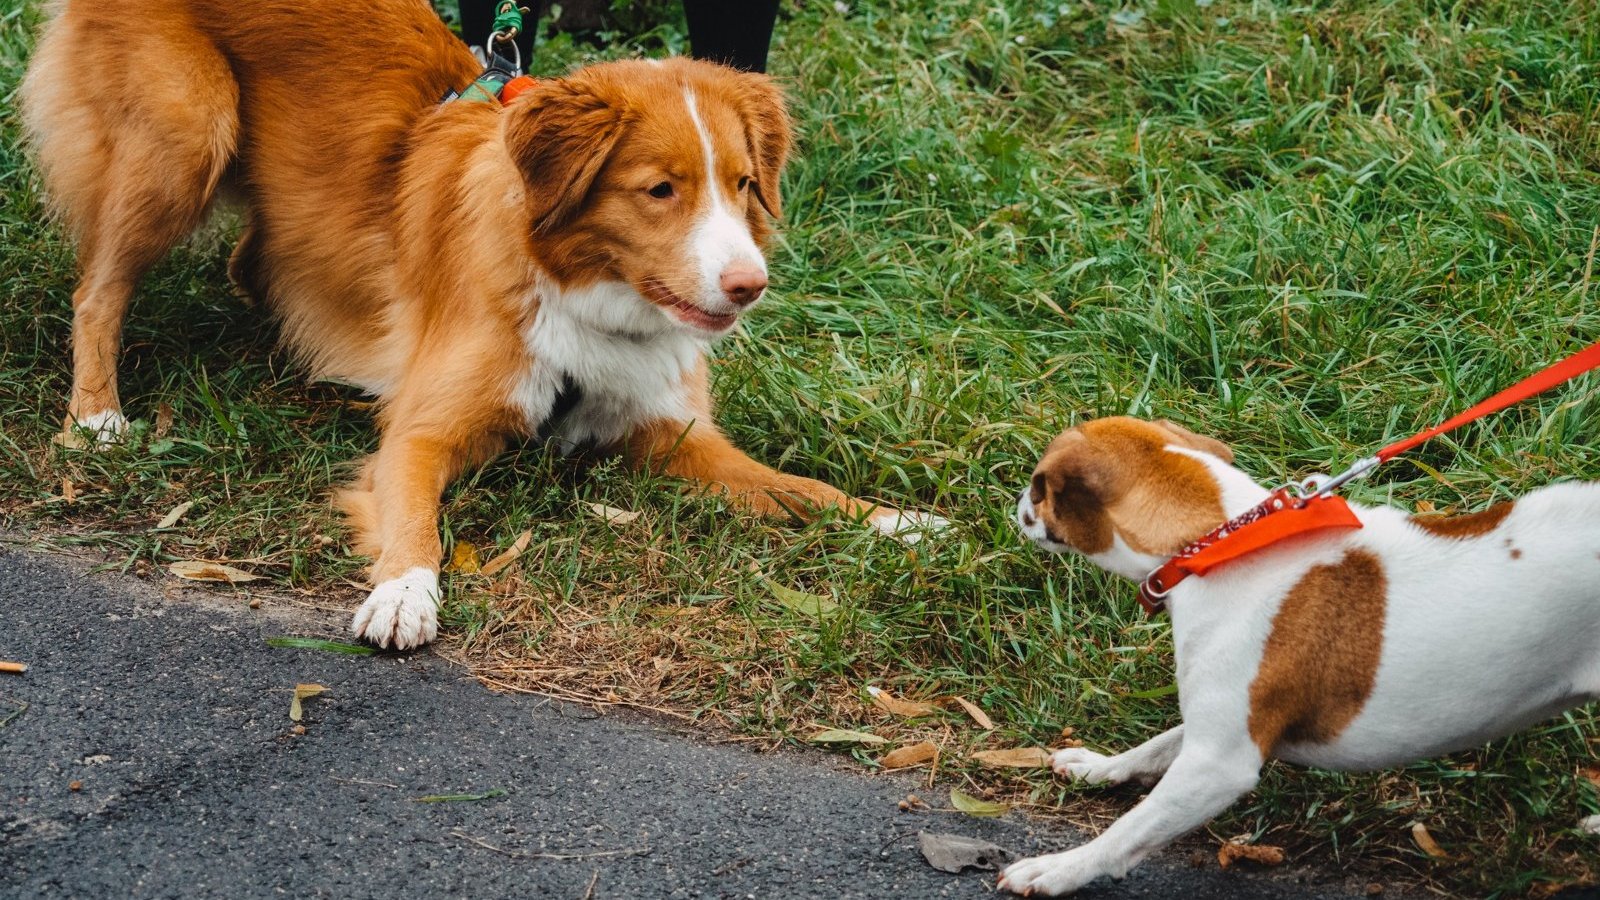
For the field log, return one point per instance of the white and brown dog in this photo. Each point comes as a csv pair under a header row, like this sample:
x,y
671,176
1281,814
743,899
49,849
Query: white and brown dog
x,y
555,266
1348,649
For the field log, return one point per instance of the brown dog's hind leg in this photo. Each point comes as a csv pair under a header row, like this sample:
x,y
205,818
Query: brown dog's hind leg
x,y
130,164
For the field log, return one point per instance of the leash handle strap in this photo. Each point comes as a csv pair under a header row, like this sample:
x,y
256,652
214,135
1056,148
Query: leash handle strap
x,y
1537,383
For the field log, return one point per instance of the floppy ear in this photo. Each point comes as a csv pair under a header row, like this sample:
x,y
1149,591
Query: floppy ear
x,y
767,131
1081,481
560,136
1198,441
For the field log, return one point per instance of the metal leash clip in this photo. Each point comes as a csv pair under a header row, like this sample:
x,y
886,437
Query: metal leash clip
x,y
1314,486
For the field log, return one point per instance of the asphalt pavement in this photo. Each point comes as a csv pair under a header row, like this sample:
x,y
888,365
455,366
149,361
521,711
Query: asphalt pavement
x,y
155,758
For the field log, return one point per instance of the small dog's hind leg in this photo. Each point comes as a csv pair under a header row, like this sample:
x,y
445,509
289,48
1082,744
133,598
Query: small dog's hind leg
x,y
1202,782
1146,762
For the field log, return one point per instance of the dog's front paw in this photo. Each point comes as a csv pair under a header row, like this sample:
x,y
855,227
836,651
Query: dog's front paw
x,y
402,612
1086,766
96,430
1051,875
908,527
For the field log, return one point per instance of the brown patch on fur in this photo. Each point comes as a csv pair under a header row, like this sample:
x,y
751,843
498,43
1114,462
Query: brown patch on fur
x,y
1321,660
1516,553
1461,528
1115,476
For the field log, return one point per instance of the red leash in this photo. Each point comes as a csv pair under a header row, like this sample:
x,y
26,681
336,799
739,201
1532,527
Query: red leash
x,y
1284,514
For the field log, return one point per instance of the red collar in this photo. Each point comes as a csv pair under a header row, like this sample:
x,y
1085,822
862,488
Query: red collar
x,y
1279,517
1283,515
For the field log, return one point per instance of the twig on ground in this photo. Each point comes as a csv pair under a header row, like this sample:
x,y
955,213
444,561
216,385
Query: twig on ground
x,y
593,880
523,854
13,668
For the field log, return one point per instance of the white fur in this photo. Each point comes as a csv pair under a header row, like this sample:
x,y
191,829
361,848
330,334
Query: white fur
x,y
628,357
721,237
401,612
908,527
102,428
1477,642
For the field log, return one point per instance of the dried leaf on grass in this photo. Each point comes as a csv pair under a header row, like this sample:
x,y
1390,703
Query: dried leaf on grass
x,y
978,715
843,736
818,606
174,514
913,755
163,420
302,692
953,852
611,514
1015,758
1425,841
69,492
972,806
200,570
464,559
891,704
509,556
1260,854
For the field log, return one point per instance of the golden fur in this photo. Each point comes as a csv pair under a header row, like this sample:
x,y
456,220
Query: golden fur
x,y
407,246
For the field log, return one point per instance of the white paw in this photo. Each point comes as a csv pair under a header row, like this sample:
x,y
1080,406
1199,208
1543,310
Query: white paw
x,y
100,429
1050,876
1590,824
1086,766
401,612
908,527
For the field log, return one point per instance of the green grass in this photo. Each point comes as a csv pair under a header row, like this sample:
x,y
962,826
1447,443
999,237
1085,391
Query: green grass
x,y
1308,229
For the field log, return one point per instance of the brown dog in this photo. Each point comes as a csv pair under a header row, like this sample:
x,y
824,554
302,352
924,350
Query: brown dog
x,y
557,265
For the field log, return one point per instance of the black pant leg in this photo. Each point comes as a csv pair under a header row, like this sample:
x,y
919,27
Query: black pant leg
x,y
733,32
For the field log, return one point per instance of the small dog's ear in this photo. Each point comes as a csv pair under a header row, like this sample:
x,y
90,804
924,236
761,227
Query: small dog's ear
x,y
1198,441
560,134
768,133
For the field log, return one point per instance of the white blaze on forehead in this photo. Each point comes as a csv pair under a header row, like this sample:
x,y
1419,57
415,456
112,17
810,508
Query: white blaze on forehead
x,y
721,236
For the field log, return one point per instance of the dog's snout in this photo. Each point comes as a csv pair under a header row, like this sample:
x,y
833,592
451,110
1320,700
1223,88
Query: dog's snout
x,y
742,285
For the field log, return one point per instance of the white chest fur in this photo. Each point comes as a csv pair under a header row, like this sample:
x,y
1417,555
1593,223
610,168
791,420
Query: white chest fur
x,y
629,362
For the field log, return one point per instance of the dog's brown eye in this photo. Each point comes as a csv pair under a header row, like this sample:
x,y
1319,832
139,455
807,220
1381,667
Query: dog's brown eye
x,y
661,191
744,182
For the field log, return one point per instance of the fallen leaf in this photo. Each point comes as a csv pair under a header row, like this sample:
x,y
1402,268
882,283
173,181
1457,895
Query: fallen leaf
x,y
816,605
302,692
1419,833
163,421
978,715
509,556
464,559
1260,854
69,493
972,806
842,736
1592,773
953,852
305,643
1425,507
892,704
459,798
611,514
914,755
174,514
200,570
1015,758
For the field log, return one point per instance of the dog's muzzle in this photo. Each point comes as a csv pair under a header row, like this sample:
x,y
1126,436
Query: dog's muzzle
x,y
1032,526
